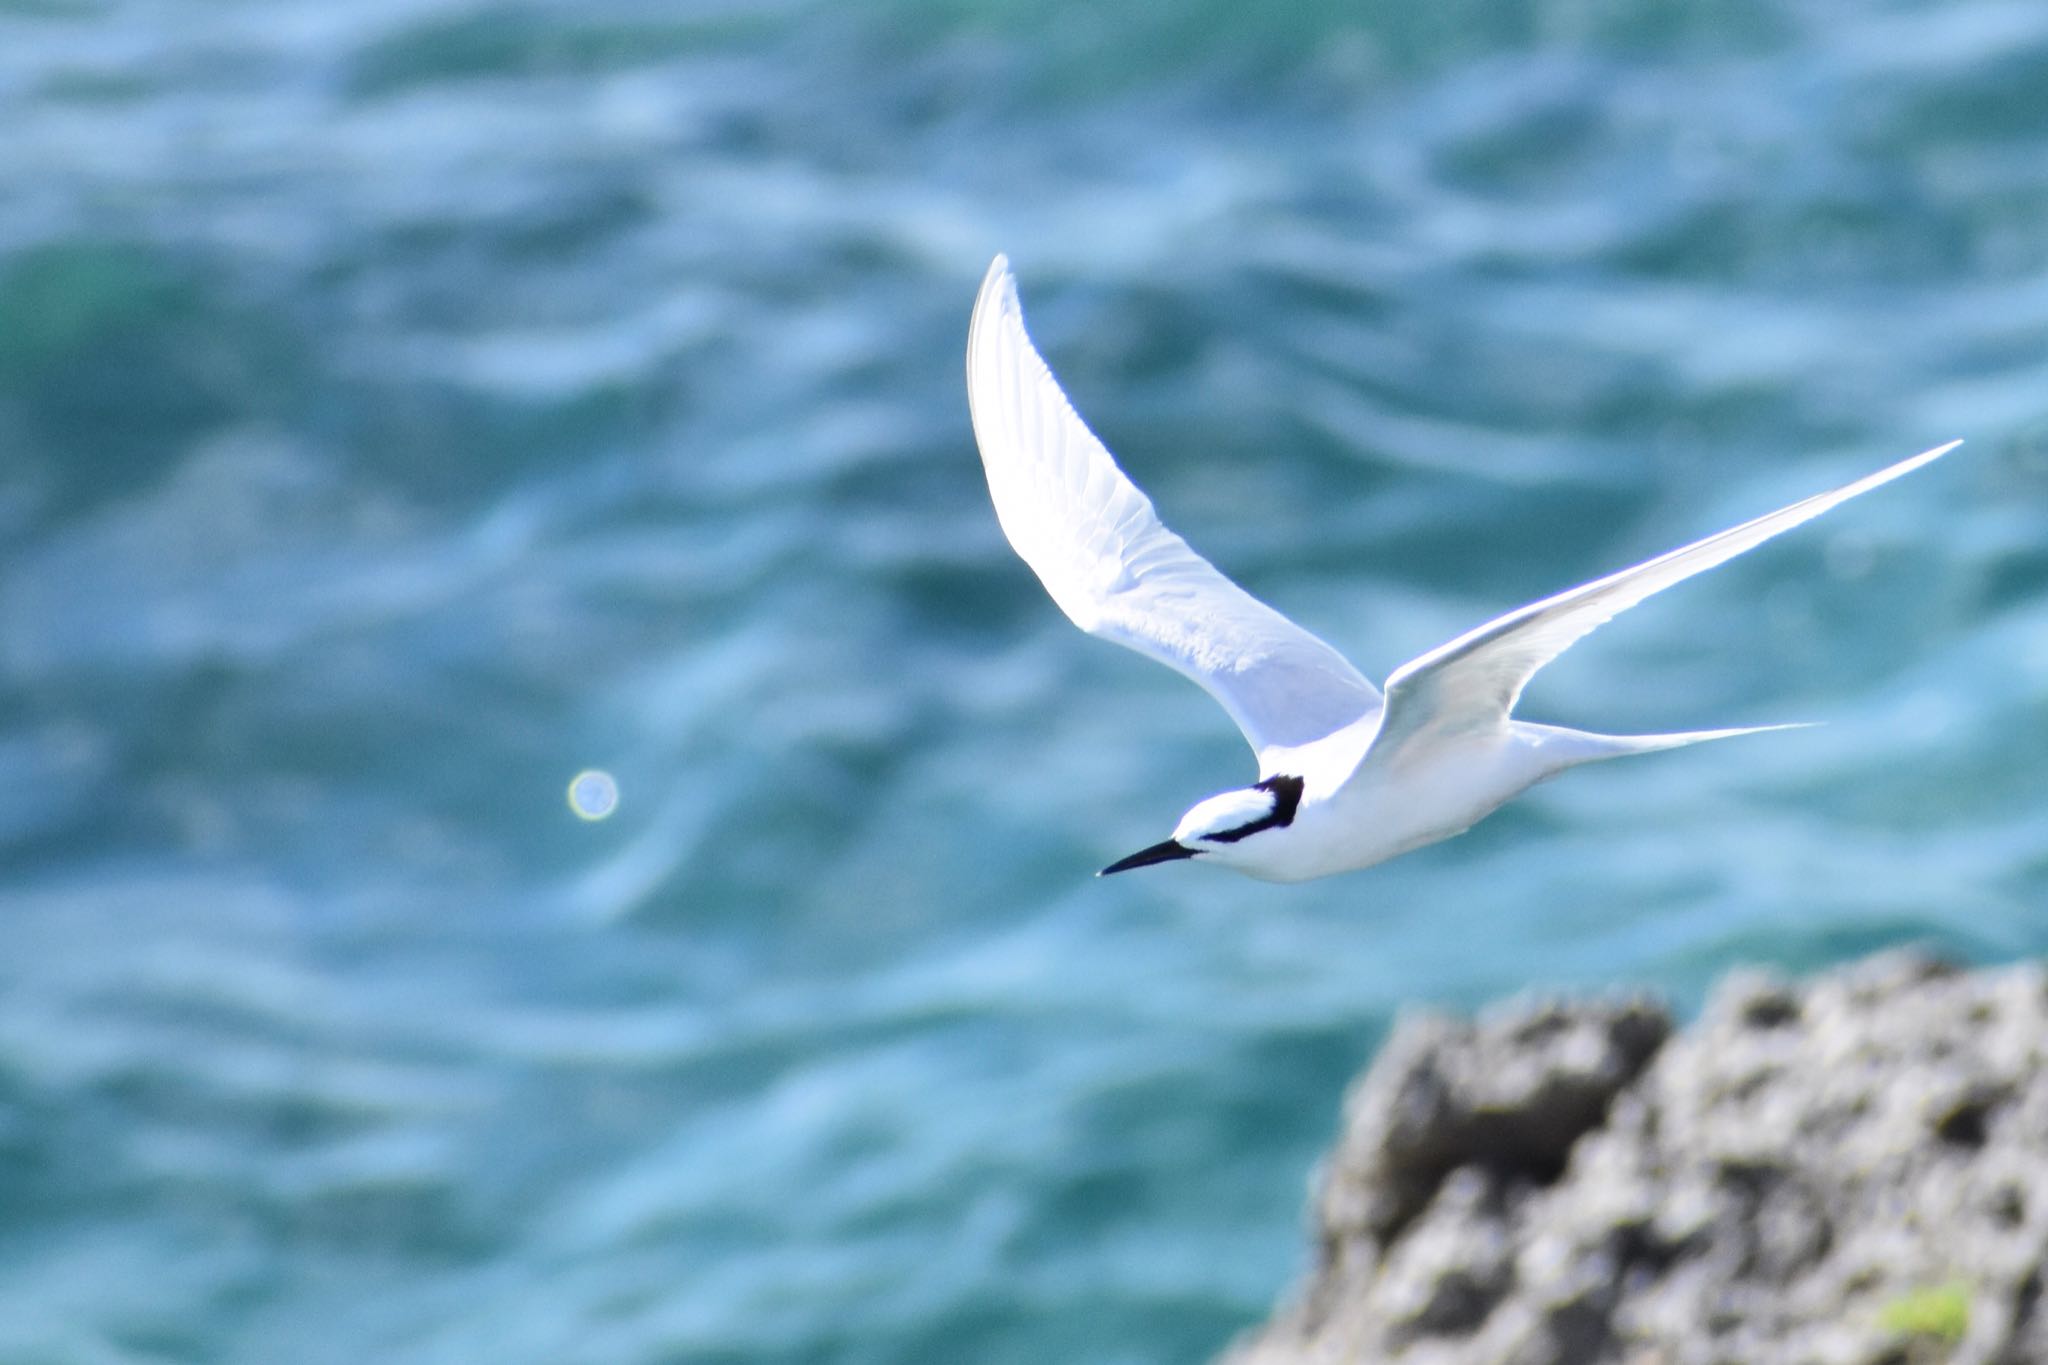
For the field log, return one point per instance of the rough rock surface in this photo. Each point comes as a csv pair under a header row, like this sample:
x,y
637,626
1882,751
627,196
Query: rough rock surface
x,y
1788,1182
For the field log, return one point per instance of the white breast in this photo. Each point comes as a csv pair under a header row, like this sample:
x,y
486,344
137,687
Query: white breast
x,y
1382,814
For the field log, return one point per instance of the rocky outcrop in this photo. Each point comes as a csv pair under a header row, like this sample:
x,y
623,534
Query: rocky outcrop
x,y
1849,1172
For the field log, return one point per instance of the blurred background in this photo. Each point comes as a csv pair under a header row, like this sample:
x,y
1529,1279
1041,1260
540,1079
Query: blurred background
x,y
408,404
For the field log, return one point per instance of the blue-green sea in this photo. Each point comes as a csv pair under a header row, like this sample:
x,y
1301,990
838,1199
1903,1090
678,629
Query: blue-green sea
x,y
406,405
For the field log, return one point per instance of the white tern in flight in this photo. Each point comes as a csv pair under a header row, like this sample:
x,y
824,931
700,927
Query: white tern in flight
x,y
1348,776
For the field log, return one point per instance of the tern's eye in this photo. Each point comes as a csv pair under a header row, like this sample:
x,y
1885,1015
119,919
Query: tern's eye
x,y
1237,815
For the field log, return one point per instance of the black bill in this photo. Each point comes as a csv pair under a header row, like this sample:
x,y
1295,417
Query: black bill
x,y
1159,853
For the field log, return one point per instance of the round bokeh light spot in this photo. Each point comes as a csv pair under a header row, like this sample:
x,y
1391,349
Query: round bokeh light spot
x,y
593,794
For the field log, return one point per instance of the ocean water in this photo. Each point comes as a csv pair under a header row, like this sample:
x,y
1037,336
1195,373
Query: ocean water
x,y
406,405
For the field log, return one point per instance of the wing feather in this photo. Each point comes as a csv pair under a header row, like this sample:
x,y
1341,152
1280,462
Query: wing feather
x,y
1474,681
1101,552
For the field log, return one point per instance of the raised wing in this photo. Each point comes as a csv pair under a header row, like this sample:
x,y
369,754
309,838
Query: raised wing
x,y
1094,541
1473,682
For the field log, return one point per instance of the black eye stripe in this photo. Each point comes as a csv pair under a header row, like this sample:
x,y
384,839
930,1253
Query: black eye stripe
x,y
1286,800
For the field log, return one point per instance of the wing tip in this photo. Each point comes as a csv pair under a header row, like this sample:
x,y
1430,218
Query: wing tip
x,y
1905,466
997,283
997,296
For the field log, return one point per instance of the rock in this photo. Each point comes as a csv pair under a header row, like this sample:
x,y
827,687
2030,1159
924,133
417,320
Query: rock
x,y
1852,1172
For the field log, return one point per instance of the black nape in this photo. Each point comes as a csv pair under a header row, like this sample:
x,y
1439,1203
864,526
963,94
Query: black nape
x,y
1286,793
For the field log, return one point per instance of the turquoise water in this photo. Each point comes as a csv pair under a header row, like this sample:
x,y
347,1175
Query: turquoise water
x,y
407,405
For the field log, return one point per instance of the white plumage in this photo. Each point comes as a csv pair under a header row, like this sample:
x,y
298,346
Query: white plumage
x,y
1094,541
1349,778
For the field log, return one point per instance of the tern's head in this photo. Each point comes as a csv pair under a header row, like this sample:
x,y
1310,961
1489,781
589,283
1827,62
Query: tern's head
x,y
1221,828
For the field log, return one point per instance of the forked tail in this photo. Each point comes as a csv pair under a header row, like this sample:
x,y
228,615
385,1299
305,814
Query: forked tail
x,y
1578,746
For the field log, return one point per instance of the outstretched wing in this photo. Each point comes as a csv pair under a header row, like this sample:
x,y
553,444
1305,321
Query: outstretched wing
x,y
1094,541
1473,682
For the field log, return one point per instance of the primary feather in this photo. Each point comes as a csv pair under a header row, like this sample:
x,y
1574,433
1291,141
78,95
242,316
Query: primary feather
x,y
1112,566
1473,682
